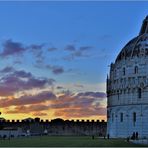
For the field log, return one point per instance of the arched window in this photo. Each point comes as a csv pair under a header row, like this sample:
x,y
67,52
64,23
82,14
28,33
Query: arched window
x,y
134,118
124,71
112,117
136,69
118,94
139,92
121,117
115,73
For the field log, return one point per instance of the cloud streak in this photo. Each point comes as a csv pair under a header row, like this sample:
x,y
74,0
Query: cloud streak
x,y
80,52
70,48
28,109
13,81
75,105
68,105
50,49
28,99
55,69
12,48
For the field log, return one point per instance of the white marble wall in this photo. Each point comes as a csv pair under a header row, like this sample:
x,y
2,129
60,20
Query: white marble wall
x,y
116,128
122,91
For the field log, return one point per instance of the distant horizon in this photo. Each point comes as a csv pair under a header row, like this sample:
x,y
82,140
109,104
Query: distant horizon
x,y
75,120
55,56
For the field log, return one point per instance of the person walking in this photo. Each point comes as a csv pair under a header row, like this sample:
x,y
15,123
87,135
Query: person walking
x,y
136,135
108,136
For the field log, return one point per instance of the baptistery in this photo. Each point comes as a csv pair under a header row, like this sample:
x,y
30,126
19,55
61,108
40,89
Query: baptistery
x,y
127,89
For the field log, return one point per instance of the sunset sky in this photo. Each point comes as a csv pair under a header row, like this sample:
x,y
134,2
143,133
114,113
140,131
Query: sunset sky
x,y
55,56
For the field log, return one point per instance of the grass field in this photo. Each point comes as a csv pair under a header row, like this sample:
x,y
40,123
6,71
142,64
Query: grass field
x,y
64,141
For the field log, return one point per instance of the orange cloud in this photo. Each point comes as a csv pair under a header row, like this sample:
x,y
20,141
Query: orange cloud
x,y
67,106
28,99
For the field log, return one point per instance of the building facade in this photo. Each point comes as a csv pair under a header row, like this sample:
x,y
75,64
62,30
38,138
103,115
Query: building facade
x,y
127,89
10,132
35,127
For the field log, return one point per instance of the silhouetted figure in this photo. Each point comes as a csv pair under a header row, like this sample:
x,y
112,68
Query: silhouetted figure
x,y
127,139
104,137
4,137
93,137
136,135
108,136
133,136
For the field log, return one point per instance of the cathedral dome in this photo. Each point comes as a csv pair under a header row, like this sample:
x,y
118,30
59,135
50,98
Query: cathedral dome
x,y
138,46
127,89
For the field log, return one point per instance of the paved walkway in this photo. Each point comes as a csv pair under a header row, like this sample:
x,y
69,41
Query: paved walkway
x,y
140,141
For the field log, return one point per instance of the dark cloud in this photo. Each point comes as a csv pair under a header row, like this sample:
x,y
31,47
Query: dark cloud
x,y
12,48
60,87
28,99
70,48
82,48
7,69
55,69
37,50
52,49
78,53
73,49
19,80
37,46
22,74
67,93
92,94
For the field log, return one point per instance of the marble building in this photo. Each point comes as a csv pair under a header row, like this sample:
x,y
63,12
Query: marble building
x,y
127,88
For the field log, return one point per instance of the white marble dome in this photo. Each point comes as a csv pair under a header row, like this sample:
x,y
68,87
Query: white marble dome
x,y
127,89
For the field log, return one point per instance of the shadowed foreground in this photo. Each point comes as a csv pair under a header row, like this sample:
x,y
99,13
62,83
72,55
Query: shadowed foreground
x,y
62,141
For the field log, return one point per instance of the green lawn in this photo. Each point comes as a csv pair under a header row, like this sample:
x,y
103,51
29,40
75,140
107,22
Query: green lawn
x,y
64,141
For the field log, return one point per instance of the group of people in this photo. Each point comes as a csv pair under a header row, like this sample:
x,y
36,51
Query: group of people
x,y
134,136
108,136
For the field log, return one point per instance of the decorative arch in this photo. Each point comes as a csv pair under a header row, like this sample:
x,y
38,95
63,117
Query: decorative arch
x,y
123,71
136,69
139,92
